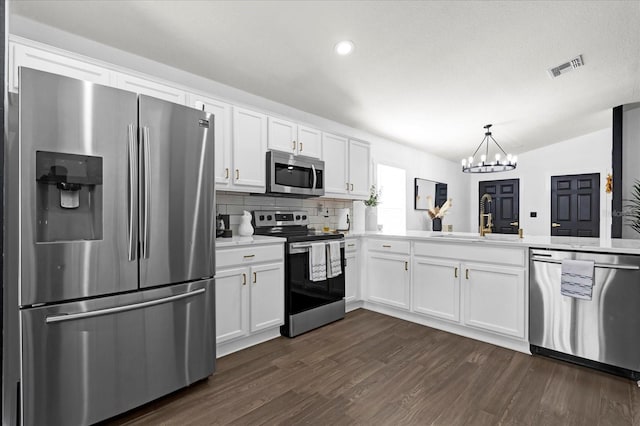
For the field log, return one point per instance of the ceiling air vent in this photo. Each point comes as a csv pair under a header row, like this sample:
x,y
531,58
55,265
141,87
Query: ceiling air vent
x,y
566,67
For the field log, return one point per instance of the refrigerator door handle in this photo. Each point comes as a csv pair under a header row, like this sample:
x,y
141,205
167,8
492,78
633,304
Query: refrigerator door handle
x,y
133,193
107,311
147,192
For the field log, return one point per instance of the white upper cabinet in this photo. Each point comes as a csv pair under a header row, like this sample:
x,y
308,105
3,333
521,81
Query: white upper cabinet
x,y
347,166
334,154
309,142
56,63
152,88
283,135
249,150
359,162
290,137
222,132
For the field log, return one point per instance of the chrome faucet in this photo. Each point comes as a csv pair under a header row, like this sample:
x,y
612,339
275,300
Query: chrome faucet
x,y
485,228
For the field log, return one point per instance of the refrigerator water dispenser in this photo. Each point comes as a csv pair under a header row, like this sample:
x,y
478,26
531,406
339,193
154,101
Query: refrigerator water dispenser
x,y
69,197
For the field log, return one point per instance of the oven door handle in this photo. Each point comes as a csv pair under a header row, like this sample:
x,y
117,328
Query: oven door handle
x,y
295,248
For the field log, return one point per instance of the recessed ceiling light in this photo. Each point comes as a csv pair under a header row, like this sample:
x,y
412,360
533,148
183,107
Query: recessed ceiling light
x,y
344,47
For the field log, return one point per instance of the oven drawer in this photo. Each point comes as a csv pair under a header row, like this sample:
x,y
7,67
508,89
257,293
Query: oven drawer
x,y
390,246
246,255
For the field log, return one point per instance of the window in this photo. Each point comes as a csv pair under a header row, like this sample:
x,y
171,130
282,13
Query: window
x,y
392,210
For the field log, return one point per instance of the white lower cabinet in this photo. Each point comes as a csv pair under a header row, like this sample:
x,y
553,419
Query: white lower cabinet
x,y
388,279
267,296
351,272
494,298
436,288
474,290
232,304
249,294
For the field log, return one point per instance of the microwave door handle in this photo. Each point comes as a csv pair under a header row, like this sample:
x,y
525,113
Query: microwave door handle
x,y
315,177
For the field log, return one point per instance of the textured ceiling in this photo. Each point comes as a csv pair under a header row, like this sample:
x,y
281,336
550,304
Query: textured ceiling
x,y
428,74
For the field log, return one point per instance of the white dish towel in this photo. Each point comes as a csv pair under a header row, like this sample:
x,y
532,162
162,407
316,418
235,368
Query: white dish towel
x,y
577,278
317,262
333,259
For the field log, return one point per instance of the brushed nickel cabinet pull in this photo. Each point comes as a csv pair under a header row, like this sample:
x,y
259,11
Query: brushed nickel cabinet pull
x,y
455,272
467,273
249,256
406,266
244,279
237,173
386,245
352,187
351,245
347,188
300,146
226,173
294,145
255,277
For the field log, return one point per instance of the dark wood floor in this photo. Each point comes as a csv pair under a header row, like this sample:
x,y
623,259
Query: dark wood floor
x,y
374,369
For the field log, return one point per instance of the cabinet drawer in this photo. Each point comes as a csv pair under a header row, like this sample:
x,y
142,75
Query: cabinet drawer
x,y
390,246
351,245
247,255
472,251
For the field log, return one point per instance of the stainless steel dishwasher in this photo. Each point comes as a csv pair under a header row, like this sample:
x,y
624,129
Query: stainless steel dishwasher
x,y
603,332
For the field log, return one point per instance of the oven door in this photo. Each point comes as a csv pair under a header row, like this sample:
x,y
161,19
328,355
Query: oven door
x,y
294,175
302,294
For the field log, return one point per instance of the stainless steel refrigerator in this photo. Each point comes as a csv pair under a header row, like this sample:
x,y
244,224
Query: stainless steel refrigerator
x,y
109,288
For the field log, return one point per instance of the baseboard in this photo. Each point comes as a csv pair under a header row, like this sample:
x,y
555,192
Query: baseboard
x,y
226,348
461,330
352,306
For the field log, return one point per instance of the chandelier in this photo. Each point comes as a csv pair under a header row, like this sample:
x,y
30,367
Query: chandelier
x,y
501,163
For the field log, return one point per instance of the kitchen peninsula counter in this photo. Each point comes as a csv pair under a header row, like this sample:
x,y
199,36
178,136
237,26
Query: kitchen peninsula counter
x,y
601,245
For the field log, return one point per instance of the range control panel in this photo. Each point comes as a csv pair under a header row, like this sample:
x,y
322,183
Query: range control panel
x,y
270,218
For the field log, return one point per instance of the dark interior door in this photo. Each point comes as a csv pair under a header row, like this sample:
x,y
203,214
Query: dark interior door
x,y
504,205
441,194
575,205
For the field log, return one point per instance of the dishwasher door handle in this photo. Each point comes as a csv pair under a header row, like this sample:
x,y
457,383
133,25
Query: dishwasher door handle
x,y
597,265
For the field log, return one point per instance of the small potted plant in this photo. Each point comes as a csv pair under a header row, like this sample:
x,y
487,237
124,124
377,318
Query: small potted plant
x,y
371,218
633,208
437,213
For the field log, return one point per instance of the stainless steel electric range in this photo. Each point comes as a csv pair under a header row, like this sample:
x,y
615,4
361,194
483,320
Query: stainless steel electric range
x,y
308,304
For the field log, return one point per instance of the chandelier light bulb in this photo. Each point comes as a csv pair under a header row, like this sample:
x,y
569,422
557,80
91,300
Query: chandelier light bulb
x,y
483,158
497,158
464,162
515,159
470,160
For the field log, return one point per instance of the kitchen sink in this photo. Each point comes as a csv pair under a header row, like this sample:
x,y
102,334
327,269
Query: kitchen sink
x,y
487,237
502,237
459,237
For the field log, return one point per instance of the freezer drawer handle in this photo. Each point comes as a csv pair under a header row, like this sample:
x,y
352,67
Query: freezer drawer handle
x,y
107,311
597,265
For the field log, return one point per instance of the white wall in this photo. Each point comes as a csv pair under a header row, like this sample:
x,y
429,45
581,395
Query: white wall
x,y
590,153
630,159
427,166
417,163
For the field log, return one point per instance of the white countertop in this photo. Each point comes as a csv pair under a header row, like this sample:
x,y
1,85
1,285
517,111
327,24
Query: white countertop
x,y
610,245
247,241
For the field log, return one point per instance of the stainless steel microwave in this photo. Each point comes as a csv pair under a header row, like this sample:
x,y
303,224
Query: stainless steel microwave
x,y
294,175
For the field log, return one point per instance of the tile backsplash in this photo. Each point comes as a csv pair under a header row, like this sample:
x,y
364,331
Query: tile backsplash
x,y
234,204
